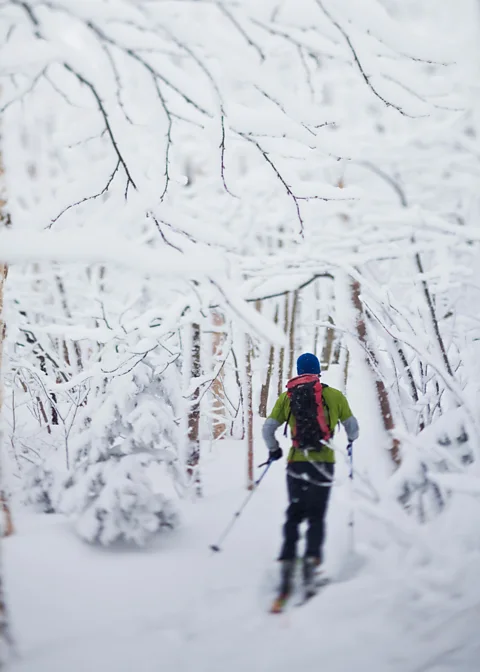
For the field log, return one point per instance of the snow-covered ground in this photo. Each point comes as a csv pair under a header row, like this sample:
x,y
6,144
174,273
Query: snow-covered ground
x,y
176,606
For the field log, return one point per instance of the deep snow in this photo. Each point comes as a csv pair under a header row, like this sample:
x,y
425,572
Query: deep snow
x,y
175,606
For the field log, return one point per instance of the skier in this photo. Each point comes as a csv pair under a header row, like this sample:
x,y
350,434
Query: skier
x,y
312,411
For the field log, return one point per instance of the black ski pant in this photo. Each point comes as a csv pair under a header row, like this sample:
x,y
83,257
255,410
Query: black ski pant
x,y
309,486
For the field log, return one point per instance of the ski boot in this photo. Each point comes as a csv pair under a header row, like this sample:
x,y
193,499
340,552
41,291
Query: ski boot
x,y
286,585
310,567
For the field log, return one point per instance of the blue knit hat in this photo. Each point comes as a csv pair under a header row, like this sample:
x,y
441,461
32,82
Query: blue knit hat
x,y
308,363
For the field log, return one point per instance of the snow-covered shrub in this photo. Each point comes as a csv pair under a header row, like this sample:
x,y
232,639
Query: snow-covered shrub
x,y
115,499
447,446
127,473
420,495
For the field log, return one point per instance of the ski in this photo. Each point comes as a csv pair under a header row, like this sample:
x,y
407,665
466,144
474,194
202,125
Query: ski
x,y
313,582
279,604
311,591
286,587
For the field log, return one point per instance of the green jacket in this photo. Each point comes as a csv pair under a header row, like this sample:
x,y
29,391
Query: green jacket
x,y
337,411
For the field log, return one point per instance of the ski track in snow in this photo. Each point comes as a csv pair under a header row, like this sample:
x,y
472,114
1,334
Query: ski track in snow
x,y
176,606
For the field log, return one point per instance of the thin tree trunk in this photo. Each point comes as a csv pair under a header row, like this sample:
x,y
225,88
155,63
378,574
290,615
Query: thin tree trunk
x,y
337,350
5,221
318,316
281,355
411,381
218,405
248,410
5,637
193,459
7,517
328,345
372,361
68,314
291,334
42,360
433,316
262,409
240,386
345,370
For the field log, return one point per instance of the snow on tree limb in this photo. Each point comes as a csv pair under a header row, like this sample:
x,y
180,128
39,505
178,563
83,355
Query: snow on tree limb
x,y
136,40
16,247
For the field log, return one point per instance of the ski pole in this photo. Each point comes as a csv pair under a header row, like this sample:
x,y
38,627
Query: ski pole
x,y
350,459
351,522
217,547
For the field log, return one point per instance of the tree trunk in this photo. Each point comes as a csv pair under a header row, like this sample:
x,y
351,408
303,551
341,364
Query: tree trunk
x,y
281,356
75,361
218,405
5,637
7,517
262,409
372,361
345,370
431,309
291,333
248,411
328,346
194,413
318,316
4,222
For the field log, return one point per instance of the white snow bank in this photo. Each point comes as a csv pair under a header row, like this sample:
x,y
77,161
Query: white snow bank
x,y
177,607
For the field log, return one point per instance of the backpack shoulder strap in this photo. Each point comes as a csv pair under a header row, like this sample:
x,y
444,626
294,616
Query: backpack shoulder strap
x,y
326,409
286,423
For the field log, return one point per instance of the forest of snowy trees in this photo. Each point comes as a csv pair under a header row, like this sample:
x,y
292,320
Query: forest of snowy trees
x,y
193,193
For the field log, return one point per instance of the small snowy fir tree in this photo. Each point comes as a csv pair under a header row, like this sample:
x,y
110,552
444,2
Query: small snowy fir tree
x,y
122,486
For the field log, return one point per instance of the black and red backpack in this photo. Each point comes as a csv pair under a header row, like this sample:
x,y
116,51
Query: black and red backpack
x,y
306,405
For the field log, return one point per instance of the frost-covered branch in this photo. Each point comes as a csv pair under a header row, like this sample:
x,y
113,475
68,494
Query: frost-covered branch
x,y
358,62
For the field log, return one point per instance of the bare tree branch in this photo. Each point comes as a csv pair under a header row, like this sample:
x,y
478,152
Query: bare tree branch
x,y
289,291
222,158
359,64
243,33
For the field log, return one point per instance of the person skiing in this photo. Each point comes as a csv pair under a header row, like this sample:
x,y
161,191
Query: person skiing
x,y
312,411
